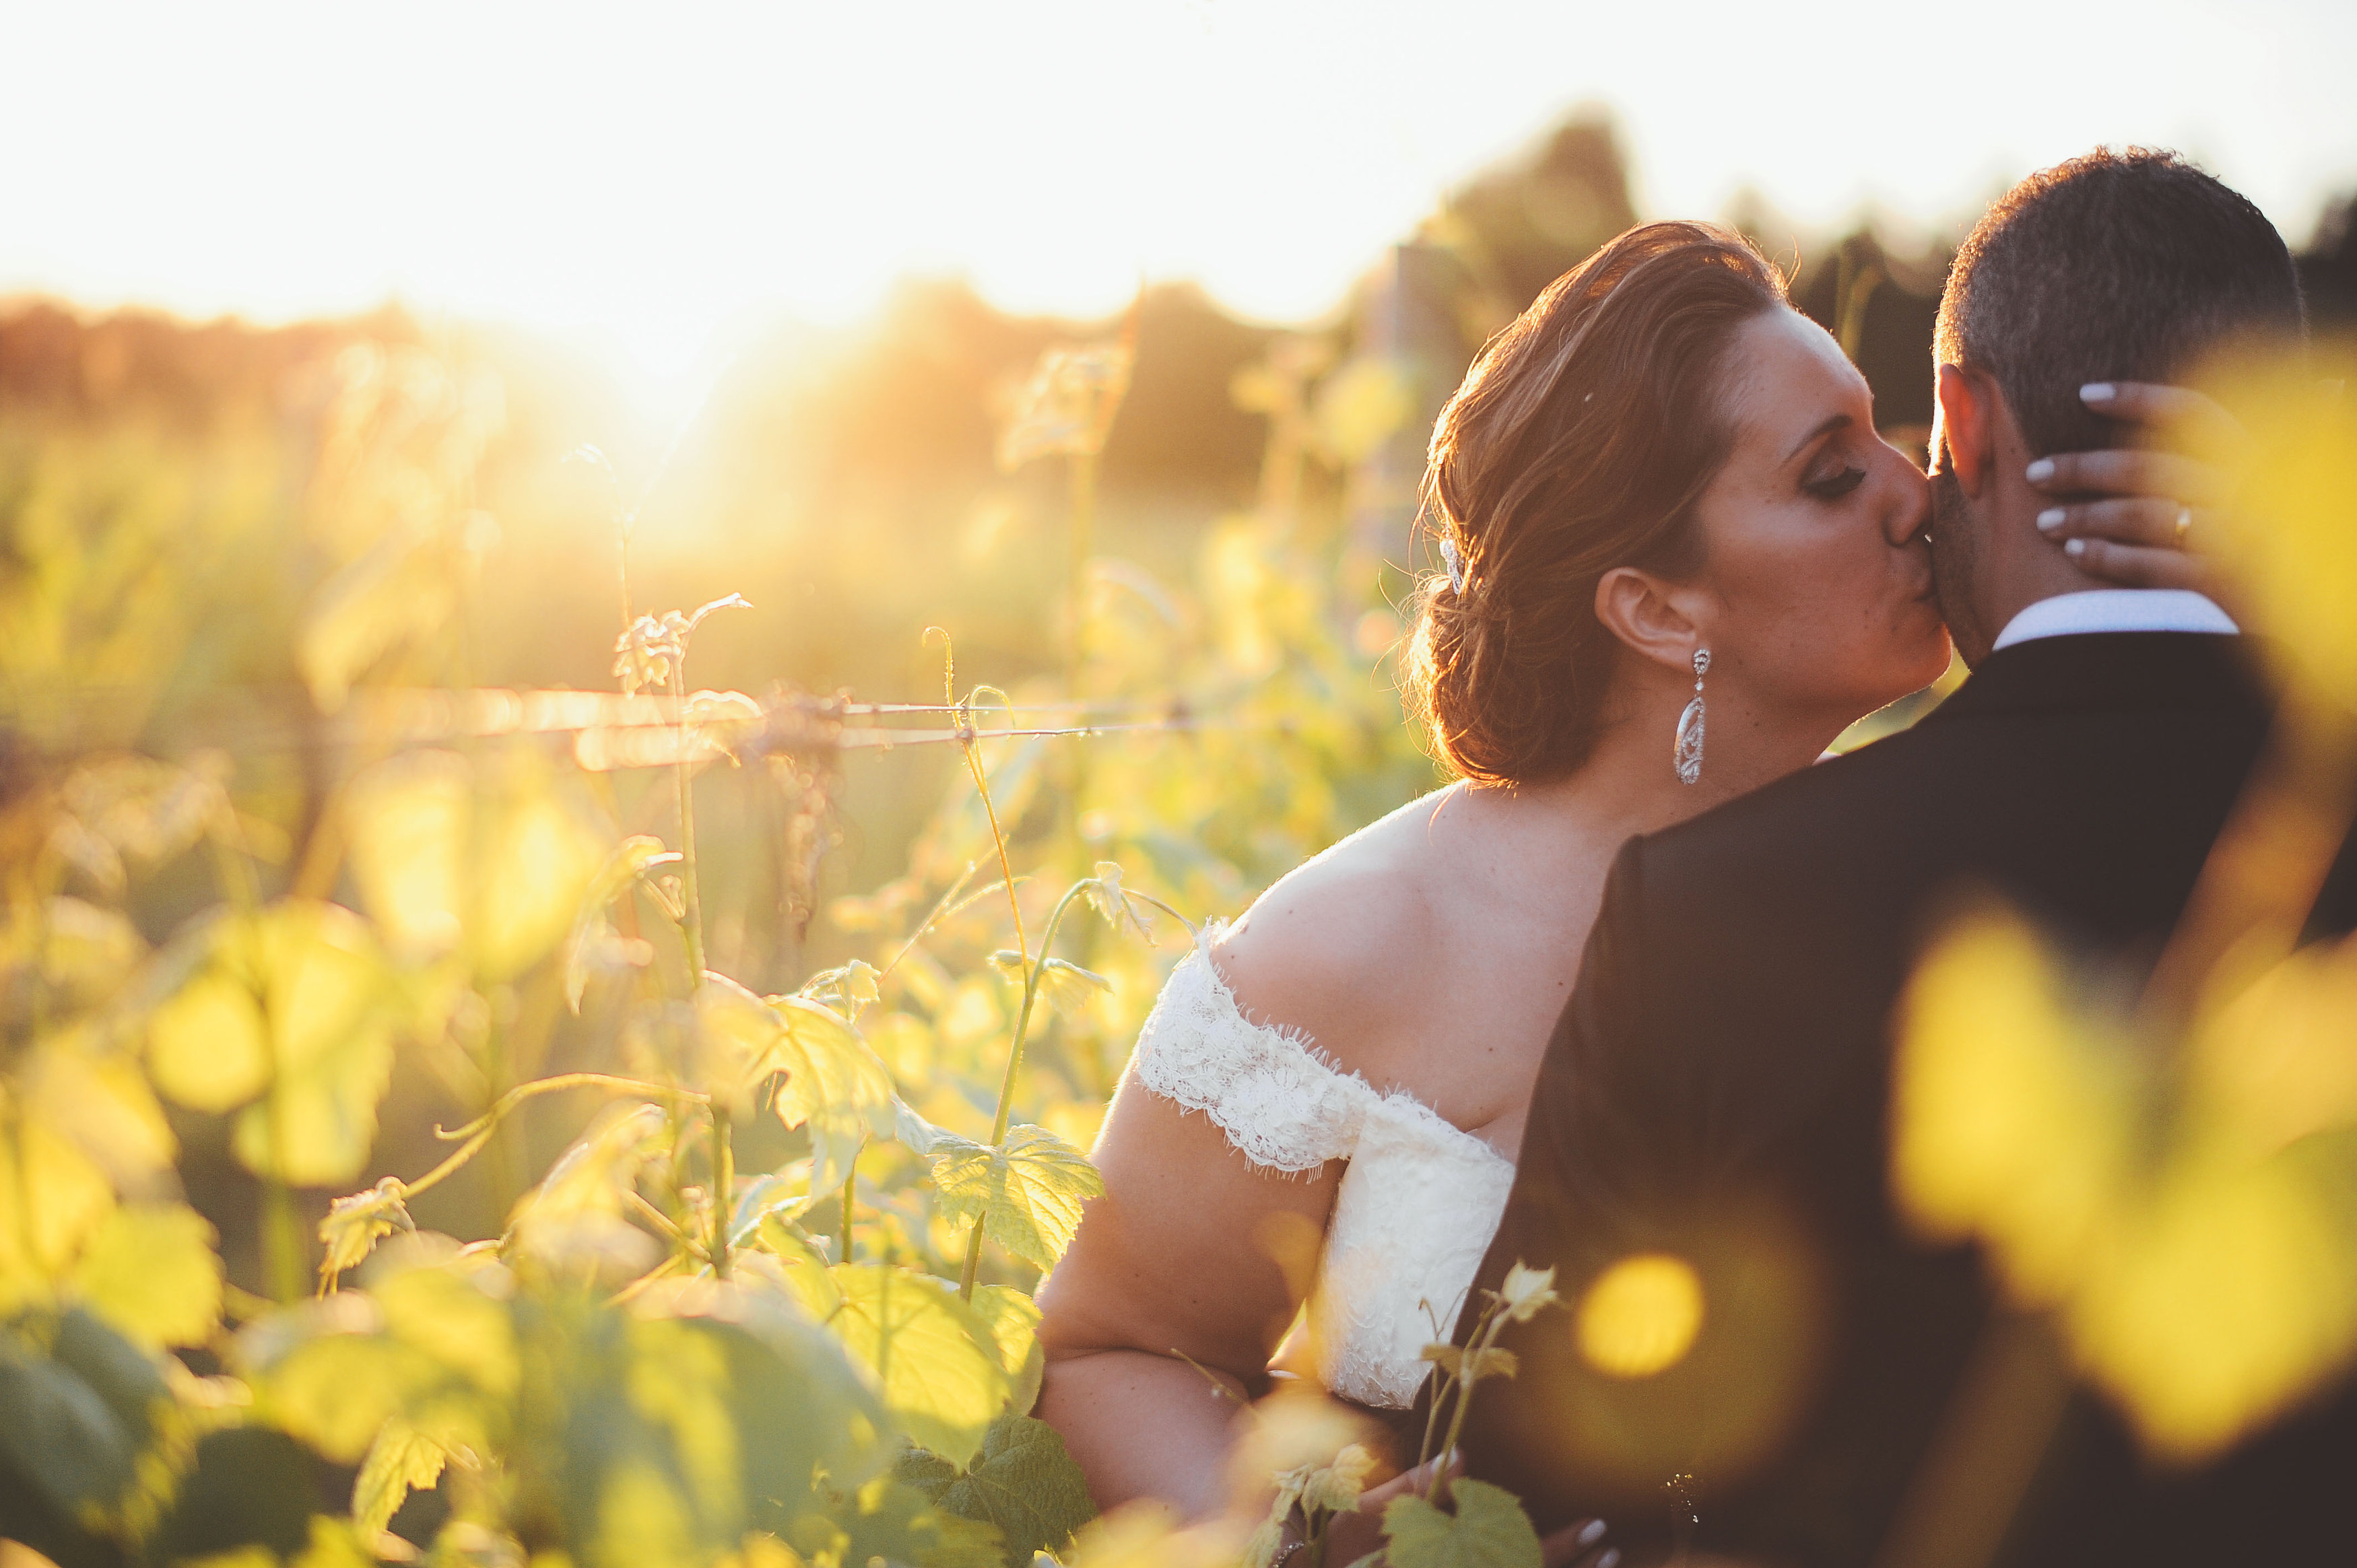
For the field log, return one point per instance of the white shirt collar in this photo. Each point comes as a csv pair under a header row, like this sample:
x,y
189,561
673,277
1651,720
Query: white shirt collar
x,y
2117,610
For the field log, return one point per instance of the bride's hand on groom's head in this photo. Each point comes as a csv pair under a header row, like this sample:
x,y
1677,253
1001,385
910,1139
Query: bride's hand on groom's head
x,y
2152,520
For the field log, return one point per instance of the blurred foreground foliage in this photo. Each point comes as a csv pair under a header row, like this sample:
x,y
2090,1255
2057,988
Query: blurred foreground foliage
x,y
741,1265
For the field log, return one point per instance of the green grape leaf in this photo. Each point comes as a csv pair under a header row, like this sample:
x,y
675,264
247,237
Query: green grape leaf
x,y
835,1086
1013,1320
60,1435
796,1405
934,1359
73,1422
1489,1530
321,1372
443,1313
150,1271
402,1458
896,1523
1023,1482
1030,1190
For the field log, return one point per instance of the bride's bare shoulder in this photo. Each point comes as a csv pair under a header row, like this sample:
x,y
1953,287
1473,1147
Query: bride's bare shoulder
x,y
1331,947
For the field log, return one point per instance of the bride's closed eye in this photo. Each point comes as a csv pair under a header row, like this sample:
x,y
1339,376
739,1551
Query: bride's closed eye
x,y
1833,486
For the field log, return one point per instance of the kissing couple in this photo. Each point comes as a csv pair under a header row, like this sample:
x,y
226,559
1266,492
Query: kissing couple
x,y
1627,987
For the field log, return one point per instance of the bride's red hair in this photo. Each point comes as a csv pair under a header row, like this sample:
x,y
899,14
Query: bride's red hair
x,y
1580,441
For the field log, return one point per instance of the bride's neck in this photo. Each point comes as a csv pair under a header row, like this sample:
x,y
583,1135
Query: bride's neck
x,y
1629,783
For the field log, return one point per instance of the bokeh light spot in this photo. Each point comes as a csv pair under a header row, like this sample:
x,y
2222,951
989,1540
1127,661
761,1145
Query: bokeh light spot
x,y
1641,1316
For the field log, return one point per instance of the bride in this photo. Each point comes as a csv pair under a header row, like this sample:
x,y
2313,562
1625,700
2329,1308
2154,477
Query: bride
x,y
1661,497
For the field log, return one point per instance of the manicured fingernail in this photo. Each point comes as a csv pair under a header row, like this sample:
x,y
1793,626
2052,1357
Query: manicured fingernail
x,y
1590,1534
2050,519
2074,548
2040,471
1611,1558
2098,392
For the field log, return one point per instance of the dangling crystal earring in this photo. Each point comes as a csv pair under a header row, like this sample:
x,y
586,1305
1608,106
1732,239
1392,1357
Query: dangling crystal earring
x,y
1687,753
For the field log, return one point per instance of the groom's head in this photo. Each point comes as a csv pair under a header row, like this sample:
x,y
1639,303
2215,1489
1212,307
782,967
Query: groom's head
x,y
2115,266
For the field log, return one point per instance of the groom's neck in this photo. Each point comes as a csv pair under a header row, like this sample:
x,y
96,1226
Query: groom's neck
x,y
2014,565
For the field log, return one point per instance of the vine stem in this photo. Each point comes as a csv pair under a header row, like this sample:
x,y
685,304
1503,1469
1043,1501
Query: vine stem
x,y
478,1132
1031,972
1492,1321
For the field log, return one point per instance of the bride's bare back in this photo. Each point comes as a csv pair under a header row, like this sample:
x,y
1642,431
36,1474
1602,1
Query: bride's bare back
x,y
1428,955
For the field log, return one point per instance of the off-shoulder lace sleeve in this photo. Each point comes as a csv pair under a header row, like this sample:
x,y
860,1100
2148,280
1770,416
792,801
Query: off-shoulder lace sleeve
x,y
1279,1101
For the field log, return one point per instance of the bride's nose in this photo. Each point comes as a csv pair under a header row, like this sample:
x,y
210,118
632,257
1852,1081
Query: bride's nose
x,y
1908,512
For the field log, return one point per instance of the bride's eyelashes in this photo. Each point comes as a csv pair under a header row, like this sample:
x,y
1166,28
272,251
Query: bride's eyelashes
x,y
1833,486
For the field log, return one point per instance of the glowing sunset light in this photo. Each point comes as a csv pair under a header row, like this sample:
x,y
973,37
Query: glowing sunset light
x,y
658,178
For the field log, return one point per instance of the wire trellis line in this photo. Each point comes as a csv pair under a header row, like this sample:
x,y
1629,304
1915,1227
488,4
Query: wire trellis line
x,y
610,731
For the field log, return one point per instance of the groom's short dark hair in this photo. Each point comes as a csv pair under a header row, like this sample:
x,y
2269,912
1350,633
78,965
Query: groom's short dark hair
x,y
2115,266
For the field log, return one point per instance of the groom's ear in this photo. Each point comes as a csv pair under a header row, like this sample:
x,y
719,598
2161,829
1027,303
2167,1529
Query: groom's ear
x,y
1642,610
1964,440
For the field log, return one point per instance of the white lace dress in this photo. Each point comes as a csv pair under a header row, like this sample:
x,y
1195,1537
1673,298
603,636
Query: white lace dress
x,y
1416,1209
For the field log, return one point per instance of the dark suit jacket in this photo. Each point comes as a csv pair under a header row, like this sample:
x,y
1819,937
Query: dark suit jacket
x,y
1717,1090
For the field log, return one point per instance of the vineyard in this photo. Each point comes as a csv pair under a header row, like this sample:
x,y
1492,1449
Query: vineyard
x,y
757,1288
423,1135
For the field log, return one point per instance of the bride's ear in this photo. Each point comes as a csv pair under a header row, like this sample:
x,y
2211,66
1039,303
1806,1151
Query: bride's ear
x,y
1643,611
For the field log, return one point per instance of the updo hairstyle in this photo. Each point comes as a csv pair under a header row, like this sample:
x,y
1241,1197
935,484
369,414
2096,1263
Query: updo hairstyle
x,y
1580,441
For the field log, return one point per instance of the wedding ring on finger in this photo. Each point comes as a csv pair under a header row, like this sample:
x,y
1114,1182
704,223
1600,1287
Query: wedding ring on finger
x,y
2184,526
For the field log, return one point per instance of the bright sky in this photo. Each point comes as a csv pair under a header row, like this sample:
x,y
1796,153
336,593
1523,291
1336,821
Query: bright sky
x,y
657,178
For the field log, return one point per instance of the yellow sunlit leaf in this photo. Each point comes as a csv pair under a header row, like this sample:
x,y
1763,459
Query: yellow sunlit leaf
x,y
677,1381
452,1320
1640,1317
497,857
2291,544
1030,1190
400,1459
407,826
642,1521
149,1269
99,1101
1013,1319
333,1544
208,1047
539,856
354,1224
2227,1299
337,1390
2277,1064
2011,1114
61,1192
934,1359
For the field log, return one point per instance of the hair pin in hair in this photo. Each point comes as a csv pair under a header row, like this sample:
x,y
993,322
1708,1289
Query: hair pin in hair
x,y
1454,562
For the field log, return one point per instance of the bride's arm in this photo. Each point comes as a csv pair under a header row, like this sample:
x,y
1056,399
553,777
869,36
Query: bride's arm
x,y
1178,1258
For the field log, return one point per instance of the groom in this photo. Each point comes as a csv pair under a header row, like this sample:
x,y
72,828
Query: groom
x,y
1717,1089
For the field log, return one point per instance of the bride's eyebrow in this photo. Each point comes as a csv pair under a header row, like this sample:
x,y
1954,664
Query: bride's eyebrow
x,y
1826,427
